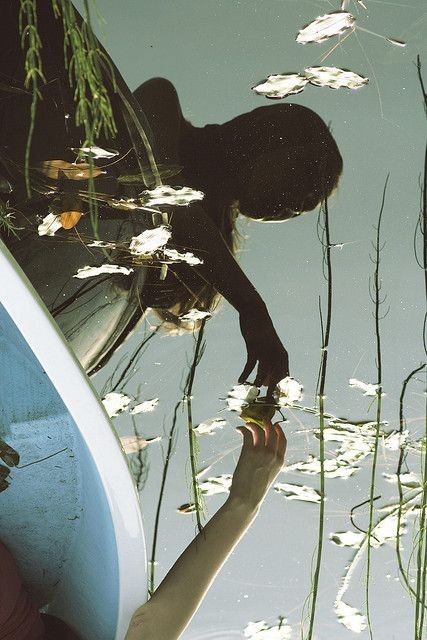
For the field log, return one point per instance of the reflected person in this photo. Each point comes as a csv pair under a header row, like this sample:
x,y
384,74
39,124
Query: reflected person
x,y
271,164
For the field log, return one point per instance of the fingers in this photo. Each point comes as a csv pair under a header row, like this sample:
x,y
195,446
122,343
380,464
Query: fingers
x,y
258,436
281,441
247,436
249,367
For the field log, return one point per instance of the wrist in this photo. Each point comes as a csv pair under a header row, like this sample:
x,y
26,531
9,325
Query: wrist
x,y
246,509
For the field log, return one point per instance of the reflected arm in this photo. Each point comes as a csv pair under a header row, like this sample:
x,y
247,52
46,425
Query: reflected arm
x,y
194,230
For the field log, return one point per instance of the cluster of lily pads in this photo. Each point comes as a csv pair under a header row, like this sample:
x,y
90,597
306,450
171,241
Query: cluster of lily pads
x,y
336,23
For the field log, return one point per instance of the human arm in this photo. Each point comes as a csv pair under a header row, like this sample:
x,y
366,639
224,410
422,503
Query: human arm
x,y
173,604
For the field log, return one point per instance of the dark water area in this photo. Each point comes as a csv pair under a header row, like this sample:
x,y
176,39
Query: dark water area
x,y
247,208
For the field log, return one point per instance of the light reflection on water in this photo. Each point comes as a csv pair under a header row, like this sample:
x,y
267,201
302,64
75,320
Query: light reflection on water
x,y
286,264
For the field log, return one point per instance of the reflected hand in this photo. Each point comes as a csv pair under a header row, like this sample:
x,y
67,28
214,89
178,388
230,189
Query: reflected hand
x,y
265,348
261,459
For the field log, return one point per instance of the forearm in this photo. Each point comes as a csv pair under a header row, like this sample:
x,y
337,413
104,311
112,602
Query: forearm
x,y
194,230
168,612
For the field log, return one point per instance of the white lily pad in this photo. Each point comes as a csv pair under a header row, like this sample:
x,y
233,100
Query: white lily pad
x,y
335,78
166,195
280,86
150,240
115,403
297,492
350,617
90,272
326,26
347,538
145,407
50,224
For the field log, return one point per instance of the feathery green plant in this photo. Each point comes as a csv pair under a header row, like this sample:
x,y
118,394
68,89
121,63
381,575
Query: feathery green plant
x,y
30,39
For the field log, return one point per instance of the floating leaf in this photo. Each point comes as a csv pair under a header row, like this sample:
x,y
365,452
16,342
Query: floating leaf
x,y
95,152
218,484
241,395
397,43
102,244
350,617
288,391
50,224
133,444
188,507
209,427
261,631
115,403
386,529
334,78
145,407
297,492
8,454
332,468
125,204
194,315
187,257
177,196
150,240
396,439
368,388
326,26
69,219
279,86
347,539
73,171
410,479
90,272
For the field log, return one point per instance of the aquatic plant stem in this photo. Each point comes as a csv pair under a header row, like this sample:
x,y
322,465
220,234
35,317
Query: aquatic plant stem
x,y
377,302
198,352
402,424
326,329
422,548
160,500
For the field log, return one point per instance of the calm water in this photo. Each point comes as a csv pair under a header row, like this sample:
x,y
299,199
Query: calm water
x,y
212,54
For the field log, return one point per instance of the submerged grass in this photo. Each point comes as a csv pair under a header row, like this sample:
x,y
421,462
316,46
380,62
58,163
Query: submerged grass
x,y
323,224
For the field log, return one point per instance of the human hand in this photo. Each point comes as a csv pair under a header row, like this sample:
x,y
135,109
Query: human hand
x,y
265,348
260,461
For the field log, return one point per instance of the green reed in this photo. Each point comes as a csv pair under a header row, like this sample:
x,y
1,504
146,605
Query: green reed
x,y
168,457
323,225
421,557
30,40
192,439
402,425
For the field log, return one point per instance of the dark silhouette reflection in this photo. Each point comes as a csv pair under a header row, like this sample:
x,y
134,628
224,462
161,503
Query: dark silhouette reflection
x,y
271,164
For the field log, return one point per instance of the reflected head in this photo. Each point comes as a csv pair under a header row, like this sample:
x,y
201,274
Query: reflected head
x,y
284,161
